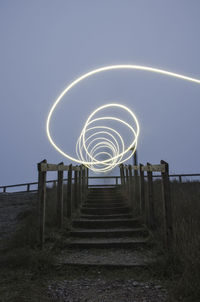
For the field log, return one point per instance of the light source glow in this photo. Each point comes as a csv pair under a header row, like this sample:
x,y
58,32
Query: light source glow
x,y
116,151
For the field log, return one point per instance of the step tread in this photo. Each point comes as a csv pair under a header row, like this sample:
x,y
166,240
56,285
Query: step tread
x,y
108,220
125,229
106,241
111,257
92,216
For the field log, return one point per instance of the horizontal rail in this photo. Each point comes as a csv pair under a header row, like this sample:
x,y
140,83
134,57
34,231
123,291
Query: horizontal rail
x,y
53,167
29,184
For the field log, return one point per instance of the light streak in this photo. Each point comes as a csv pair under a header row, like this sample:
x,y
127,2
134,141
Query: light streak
x,y
116,154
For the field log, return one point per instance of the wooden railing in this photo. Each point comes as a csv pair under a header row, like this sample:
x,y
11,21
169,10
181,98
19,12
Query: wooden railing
x,y
73,201
133,188
117,179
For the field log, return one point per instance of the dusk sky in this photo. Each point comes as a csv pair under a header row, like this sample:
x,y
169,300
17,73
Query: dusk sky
x,y
46,44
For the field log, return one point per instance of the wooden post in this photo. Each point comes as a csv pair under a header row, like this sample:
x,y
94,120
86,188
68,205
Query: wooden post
x,y
76,188
151,213
60,197
87,180
69,192
167,207
127,183
4,189
41,202
80,184
122,178
83,184
28,187
142,191
136,178
116,181
180,179
131,186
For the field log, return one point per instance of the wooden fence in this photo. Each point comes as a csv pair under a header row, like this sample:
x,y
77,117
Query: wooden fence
x,y
133,188
72,201
132,182
28,186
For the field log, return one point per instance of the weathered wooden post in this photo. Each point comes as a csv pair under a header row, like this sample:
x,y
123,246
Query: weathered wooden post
x,y
136,178
122,178
142,191
83,183
72,192
69,192
167,207
80,184
42,170
60,196
151,212
76,187
127,183
87,179
131,186
28,187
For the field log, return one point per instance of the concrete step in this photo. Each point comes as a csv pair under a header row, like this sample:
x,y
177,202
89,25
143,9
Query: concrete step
x,y
102,216
108,195
135,243
108,223
104,205
105,211
104,201
105,196
110,258
110,233
102,189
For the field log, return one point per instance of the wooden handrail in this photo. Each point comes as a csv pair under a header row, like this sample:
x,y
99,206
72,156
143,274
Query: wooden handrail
x,y
29,184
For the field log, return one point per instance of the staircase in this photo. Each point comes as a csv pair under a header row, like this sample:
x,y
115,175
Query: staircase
x,y
106,221
105,226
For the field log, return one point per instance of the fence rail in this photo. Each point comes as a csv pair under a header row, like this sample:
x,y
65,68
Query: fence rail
x,y
28,185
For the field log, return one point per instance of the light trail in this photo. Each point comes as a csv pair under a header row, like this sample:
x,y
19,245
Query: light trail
x,y
116,154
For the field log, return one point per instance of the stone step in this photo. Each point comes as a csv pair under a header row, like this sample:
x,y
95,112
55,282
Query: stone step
x,y
104,201
102,189
109,196
105,205
108,223
104,195
110,233
102,216
105,211
135,243
111,258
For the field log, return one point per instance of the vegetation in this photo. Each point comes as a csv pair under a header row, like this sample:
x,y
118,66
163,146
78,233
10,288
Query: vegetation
x,y
183,264
24,262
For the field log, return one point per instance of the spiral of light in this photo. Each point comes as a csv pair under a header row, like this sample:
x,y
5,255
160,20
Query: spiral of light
x,y
99,141
105,141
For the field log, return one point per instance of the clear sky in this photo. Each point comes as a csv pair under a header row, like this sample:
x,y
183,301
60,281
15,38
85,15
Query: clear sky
x,y
46,44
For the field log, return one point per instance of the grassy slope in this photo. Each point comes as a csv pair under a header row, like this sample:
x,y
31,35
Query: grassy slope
x,y
24,269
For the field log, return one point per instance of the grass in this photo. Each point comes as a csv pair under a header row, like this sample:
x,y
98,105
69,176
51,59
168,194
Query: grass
x,y
183,264
24,268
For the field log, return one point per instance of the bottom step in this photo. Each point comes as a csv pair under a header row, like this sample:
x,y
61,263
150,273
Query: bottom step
x,y
110,258
103,243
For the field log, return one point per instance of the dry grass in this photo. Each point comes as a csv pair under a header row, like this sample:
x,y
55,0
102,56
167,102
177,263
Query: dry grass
x,y
183,265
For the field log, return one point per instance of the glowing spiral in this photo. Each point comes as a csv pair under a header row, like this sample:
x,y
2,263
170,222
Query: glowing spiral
x,y
96,140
